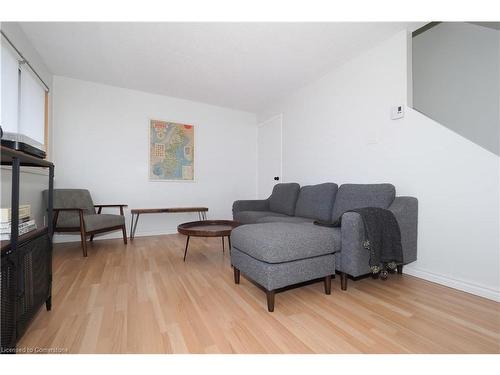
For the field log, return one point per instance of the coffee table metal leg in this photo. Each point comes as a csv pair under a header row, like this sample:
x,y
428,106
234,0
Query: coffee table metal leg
x,y
186,250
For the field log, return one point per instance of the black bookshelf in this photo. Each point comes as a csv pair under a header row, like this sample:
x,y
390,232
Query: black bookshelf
x,y
26,260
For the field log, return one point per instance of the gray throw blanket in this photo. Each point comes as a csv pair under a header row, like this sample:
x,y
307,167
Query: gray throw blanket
x,y
382,238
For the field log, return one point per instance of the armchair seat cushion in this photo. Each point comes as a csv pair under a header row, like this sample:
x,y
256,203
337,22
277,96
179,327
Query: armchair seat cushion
x,y
102,221
93,222
285,242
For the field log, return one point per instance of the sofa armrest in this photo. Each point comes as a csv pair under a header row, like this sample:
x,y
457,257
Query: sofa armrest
x,y
405,209
251,205
353,258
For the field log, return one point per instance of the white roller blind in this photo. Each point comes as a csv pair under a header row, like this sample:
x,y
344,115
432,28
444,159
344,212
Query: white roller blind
x,y
31,106
10,89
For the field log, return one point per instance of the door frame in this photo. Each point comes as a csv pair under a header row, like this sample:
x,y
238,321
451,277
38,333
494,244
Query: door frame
x,y
261,124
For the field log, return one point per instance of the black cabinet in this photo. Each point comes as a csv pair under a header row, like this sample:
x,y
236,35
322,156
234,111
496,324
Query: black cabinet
x,y
8,304
26,260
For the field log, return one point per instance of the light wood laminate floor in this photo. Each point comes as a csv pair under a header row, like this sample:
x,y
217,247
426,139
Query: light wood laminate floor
x,y
142,298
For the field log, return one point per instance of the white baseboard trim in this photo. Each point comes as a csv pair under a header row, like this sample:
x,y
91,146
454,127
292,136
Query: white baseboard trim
x,y
65,238
465,286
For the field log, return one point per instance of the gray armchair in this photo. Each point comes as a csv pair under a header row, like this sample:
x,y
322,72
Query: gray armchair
x,y
74,211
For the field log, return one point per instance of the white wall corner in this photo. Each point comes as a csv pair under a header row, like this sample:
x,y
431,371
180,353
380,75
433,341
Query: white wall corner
x,y
409,70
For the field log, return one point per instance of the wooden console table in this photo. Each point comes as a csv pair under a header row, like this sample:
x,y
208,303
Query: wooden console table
x,y
202,214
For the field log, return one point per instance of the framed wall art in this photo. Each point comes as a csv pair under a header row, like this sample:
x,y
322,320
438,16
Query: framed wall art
x,y
171,151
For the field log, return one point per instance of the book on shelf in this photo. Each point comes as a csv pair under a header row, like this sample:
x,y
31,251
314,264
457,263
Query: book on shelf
x,y
6,213
5,235
8,224
22,225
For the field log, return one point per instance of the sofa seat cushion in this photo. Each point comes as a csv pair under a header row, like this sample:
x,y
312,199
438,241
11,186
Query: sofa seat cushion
x,y
284,219
316,201
352,196
251,217
284,198
285,242
94,222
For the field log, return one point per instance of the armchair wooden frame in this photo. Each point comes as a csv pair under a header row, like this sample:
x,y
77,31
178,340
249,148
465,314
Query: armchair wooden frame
x,y
83,232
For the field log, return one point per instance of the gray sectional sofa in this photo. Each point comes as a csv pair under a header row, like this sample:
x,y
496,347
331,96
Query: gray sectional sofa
x,y
281,246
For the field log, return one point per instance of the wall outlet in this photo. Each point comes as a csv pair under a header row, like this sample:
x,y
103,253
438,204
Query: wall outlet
x,y
397,112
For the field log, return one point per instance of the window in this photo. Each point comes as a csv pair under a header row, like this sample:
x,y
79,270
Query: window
x,y
10,89
31,106
24,98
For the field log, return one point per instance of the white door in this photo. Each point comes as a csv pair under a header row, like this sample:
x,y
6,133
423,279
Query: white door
x,y
269,154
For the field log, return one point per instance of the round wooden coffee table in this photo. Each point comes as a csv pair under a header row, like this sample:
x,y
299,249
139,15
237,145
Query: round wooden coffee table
x,y
207,228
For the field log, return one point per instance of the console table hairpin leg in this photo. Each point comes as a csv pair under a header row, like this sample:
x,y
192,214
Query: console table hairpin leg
x,y
202,214
133,226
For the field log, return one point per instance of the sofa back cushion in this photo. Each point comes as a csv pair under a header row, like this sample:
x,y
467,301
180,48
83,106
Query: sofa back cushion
x,y
284,198
316,201
352,196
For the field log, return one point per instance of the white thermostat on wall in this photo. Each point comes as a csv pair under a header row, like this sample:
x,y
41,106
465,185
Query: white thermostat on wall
x,y
397,112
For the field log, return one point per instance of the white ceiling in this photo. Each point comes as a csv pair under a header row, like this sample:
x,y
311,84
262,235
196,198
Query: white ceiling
x,y
236,65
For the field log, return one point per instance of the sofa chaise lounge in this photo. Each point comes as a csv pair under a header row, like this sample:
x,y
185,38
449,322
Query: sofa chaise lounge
x,y
281,246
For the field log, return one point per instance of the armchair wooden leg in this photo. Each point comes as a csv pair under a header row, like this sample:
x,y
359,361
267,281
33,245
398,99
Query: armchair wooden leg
x,y
270,300
84,241
343,281
91,238
54,221
83,235
328,284
400,269
236,275
124,231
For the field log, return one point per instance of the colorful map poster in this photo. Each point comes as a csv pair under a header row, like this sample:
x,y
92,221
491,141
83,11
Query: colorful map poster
x,y
171,151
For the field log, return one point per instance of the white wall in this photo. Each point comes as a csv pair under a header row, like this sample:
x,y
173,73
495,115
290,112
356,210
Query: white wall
x,y
339,129
101,143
